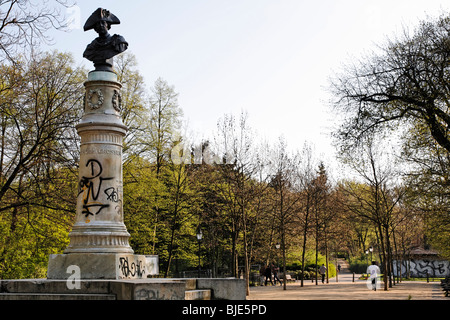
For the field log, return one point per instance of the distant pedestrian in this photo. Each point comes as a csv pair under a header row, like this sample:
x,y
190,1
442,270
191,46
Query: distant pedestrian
x,y
339,268
275,274
373,270
323,271
262,272
268,274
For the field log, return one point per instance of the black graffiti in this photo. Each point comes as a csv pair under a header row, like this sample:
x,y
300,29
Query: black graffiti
x,y
422,268
112,194
131,269
155,294
93,209
433,268
89,189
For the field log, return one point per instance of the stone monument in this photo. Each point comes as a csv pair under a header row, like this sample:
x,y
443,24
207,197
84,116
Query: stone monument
x,y
99,262
99,239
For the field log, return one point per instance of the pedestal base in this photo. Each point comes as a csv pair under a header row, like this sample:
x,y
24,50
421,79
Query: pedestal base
x,y
137,289
81,266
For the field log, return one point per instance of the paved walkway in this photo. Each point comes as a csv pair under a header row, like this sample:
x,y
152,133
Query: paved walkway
x,y
345,289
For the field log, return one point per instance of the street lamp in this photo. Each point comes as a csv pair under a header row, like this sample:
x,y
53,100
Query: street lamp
x,y
199,239
367,255
371,250
277,246
275,275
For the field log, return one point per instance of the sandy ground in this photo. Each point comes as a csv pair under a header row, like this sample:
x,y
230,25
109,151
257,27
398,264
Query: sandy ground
x,y
345,289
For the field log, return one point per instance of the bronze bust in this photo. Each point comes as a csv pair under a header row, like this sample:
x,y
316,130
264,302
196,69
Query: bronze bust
x,y
102,50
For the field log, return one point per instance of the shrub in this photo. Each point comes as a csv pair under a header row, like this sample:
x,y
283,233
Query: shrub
x,y
358,265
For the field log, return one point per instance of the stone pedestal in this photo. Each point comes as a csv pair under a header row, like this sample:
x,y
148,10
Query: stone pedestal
x,y
100,266
99,239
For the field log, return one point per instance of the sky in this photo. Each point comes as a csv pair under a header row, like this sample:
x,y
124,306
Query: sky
x,y
269,58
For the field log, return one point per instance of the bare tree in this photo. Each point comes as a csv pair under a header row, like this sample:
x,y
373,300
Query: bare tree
x,y
285,195
376,198
134,105
306,177
39,106
234,144
164,122
404,84
25,23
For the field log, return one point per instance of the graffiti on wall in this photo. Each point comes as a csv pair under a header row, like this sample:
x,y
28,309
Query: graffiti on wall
x,y
420,268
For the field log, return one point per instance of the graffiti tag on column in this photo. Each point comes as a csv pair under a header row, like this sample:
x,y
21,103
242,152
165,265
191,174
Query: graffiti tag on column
x,y
112,194
90,188
135,268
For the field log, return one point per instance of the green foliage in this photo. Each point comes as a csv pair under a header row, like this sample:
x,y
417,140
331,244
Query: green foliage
x,y
39,107
310,265
359,264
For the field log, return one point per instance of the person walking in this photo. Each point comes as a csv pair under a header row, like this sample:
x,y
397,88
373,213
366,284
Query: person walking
x,y
275,274
268,274
373,270
323,271
262,271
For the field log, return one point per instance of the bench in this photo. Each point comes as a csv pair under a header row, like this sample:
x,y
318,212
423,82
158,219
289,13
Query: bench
x,y
289,278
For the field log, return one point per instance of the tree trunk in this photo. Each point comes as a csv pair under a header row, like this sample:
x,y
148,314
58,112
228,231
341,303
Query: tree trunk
x,y
304,248
384,258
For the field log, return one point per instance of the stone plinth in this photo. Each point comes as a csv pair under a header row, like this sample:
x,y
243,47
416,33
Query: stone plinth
x,y
98,266
126,289
224,288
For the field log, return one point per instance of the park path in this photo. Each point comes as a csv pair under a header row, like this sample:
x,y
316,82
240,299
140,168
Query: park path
x,y
346,289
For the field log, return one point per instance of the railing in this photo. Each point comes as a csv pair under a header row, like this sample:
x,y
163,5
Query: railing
x,y
196,274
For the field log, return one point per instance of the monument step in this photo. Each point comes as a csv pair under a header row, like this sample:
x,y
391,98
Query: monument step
x,y
46,286
197,294
191,283
132,289
55,296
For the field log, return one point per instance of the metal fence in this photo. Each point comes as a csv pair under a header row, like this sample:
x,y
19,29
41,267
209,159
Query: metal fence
x,y
196,274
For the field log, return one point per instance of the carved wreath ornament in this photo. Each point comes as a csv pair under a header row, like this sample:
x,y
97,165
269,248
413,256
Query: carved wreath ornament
x,y
92,93
117,101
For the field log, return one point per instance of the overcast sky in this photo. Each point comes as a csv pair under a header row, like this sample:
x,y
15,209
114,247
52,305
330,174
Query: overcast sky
x,y
270,58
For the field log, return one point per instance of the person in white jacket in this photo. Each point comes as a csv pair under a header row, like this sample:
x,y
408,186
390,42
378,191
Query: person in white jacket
x,y
373,270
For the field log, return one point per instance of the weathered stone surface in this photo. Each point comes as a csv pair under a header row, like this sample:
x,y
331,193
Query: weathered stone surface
x,y
149,290
224,288
204,294
132,289
60,296
152,265
99,226
41,286
98,266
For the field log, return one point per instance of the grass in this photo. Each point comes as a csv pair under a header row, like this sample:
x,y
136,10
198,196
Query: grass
x,y
365,276
421,279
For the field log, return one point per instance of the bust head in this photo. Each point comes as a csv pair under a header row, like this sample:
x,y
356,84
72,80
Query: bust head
x,y
102,50
102,27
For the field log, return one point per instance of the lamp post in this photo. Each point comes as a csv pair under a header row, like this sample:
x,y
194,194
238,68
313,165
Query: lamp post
x,y
367,256
371,250
199,239
277,246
